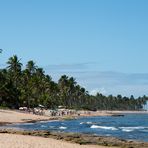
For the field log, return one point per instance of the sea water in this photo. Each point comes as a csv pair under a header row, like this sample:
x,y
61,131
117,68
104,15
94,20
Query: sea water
x,y
129,126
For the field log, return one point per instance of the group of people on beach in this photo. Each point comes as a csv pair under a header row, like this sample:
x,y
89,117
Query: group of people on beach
x,y
48,112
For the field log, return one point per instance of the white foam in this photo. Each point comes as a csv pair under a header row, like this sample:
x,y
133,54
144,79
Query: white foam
x,y
88,122
146,130
104,127
82,123
43,126
51,126
62,127
130,129
127,130
108,134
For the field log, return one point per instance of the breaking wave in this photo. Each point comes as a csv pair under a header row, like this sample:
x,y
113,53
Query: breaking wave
x,y
43,126
62,127
130,129
104,127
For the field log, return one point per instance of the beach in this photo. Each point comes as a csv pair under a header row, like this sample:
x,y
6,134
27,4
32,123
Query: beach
x,y
13,116
9,139
25,141
21,141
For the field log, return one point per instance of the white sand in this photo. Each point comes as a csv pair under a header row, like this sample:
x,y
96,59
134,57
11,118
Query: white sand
x,y
12,116
15,116
21,141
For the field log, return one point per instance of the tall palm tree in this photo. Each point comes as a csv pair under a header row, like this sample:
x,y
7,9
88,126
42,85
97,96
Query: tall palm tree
x,y
63,87
31,67
14,72
28,83
14,68
14,64
71,91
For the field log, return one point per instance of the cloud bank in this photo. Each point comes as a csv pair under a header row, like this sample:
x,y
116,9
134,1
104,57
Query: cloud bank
x,y
105,82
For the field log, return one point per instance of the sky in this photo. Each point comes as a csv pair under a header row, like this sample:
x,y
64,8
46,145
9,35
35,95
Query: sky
x,y
101,43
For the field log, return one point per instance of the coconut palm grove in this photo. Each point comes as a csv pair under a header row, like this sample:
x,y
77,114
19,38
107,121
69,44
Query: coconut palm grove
x,y
30,86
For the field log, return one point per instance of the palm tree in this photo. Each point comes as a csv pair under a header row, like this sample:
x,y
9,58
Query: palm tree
x,y
64,88
31,67
8,93
14,72
14,69
14,64
71,91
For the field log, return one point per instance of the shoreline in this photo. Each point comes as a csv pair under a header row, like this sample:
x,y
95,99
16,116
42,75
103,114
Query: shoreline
x,y
28,141
14,117
81,139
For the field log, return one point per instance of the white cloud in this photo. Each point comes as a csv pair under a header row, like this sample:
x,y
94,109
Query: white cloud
x,y
98,90
115,83
68,67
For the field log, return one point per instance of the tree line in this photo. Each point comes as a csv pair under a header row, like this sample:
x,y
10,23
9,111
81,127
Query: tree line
x,y
30,86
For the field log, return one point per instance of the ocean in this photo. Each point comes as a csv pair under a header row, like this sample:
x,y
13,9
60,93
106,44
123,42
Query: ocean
x,y
129,126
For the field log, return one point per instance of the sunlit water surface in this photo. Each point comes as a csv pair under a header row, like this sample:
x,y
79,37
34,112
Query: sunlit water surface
x,y
130,126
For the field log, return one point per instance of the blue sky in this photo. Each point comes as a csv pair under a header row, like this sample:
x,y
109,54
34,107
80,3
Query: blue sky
x,y
102,43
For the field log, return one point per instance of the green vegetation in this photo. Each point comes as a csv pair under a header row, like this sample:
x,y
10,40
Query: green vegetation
x,y
31,86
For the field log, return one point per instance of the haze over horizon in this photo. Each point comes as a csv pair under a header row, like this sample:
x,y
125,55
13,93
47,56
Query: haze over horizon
x,y
101,43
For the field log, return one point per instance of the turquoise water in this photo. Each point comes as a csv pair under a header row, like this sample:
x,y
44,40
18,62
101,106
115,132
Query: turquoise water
x,y
131,126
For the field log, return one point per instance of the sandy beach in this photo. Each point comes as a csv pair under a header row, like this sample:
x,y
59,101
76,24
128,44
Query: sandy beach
x,y
9,116
15,116
9,140
21,141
